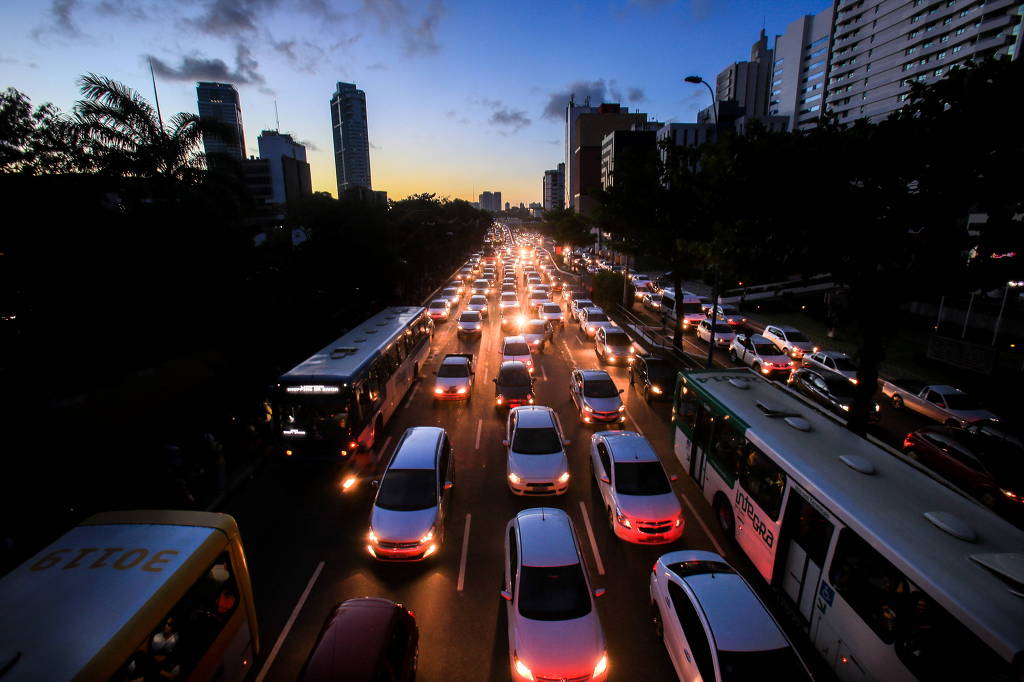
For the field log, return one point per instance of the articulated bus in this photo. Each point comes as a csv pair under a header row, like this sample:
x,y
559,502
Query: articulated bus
x,y
895,575
132,595
337,402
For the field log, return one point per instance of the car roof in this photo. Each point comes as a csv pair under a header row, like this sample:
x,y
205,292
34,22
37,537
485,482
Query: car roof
x,y
738,620
518,338
439,301
944,389
416,449
758,338
477,297
546,538
455,360
513,365
784,327
628,446
831,354
534,416
352,640
592,374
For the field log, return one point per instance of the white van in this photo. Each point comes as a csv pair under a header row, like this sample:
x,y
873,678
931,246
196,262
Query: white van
x,y
689,308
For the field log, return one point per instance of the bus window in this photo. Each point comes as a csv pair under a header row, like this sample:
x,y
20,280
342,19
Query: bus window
x,y
686,409
727,448
872,586
764,480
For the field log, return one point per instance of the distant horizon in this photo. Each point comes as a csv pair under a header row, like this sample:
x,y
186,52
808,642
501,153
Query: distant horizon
x,y
459,98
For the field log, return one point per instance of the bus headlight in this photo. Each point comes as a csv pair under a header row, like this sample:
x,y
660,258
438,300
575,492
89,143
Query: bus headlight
x,y
622,408
372,537
429,536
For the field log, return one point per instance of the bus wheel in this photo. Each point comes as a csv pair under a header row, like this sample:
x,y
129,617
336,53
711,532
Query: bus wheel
x,y
726,521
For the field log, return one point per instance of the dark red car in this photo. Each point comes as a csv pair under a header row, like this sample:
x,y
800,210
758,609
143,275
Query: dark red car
x,y
988,468
365,640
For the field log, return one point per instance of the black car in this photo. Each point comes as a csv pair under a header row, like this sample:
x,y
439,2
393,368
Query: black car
x,y
653,377
832,391
513,386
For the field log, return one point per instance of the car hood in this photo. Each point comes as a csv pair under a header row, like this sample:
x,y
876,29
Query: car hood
x,y
649,507
451,382
469,325
530,338
402,526
559,648
779,358
603,404
509,392
972,415
538,467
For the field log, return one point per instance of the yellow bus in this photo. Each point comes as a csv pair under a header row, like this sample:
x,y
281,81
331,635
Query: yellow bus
x,y
132,595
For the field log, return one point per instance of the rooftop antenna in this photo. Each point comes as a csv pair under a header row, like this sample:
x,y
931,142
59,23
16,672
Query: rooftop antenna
x,y
277,119
156,97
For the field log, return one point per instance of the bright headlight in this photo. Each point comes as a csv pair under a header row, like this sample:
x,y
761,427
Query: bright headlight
x,y
372,537
462,390
515,479
622,408
438,390
601,666
564,478
429,536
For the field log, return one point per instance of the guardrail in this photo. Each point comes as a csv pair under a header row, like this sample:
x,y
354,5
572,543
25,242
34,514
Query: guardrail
x,y
653,339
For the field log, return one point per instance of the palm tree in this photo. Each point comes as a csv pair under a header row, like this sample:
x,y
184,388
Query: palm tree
x,y
130,139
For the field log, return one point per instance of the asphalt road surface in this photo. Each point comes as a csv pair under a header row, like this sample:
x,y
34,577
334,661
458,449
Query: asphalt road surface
x,y
306,540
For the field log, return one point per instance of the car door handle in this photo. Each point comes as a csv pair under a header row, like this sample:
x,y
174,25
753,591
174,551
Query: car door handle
x,y
688,656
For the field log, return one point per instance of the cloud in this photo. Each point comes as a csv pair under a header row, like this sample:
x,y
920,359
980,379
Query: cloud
x,y
195,67
553,141
597,90
373,146
301,54
19,62
451,113
230,18
308,144
61,21
122,8
636,95
516,120
377,66
416,28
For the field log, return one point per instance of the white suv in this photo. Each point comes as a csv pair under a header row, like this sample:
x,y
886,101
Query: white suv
x,y
554,632
759,353
713,624
833,361
789,340
515,348
536,463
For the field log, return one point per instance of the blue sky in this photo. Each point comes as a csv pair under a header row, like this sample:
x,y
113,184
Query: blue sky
x,y
462,96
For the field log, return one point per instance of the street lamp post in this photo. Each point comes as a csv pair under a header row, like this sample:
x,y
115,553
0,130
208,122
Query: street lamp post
x,y
696,80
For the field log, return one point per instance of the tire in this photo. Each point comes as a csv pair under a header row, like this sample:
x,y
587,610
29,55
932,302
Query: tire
x,y
726,520
647,393
897,402
756,367
912,454
659,628
733,356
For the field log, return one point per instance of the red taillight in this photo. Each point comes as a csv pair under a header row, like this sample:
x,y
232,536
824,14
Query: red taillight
x,y
908,441
353,445
654,568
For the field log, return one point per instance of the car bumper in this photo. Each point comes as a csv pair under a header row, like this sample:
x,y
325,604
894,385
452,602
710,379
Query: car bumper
x,y
451,396
598,418
639,537
417,553
619,359
536,488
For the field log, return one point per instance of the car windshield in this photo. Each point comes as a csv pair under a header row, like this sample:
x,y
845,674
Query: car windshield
x,y
656,298
751,665
690,307
534,328
797,337
840,388
538,441
617,339
407,490
453,370
599,388
583,303
728,310
844,364
514,376
469,317
509,297
723,328
450,292
961,401
597,317
438,304
516,348
553,592
552,308
538,296
766,349
478,300
641,478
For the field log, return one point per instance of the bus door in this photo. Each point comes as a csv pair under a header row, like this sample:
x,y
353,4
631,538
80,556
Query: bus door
x,y
806,535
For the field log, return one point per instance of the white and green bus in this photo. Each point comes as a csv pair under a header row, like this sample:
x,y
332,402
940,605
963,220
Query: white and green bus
x,y
895,575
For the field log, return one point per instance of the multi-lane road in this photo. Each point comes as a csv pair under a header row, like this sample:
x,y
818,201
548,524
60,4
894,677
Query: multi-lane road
x,y
306,540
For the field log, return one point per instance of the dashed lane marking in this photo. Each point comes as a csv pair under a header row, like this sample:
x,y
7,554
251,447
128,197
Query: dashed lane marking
x,y
288,626
465,551
479,429
703,525
593,541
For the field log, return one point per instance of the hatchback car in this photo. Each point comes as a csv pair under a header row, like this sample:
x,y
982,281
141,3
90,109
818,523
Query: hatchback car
x,y
831,391
651,301
536,463
714,626
592,319
832,361
454,377
470,324
537,334
760,354
481,287
789,340
478,304
653,377
612,345
512,319
554,632
537,299
516,348
408,515
366,639
577,305
596,397
729,314
552,313
508,299
513,386
638,499
451,294
439,309
724,334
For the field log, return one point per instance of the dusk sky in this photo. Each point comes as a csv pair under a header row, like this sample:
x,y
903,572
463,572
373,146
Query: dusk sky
x,y
462,96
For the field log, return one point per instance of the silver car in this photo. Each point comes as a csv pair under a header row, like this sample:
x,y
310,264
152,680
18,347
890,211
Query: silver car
x,y
537,333
470,323
407,519
478,304
536,463
833,361
552,312
596,397
554,632
612,345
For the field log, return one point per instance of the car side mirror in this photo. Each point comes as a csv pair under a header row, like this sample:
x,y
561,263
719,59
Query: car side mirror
x,y
605,479
566,442
600,592
506,595
505,443
622,390
448,485
375,482
673,478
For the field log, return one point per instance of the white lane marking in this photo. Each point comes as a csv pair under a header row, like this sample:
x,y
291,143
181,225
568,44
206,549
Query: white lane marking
x,y
543,373
636,426
703,525
415,390
288,626
465,551
479,428
384,448
593,542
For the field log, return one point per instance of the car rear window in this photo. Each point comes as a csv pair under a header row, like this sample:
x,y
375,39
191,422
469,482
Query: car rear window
x,y
469,316
552,308
516,348
514,376
553,592
597,317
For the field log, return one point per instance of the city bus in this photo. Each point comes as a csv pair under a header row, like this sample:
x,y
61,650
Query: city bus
x,y
895,575
132,595
337,402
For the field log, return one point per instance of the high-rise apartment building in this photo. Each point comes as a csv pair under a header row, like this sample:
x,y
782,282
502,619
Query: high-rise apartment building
x,y
554,188
625,149
746,83
880,47
220,101
590,129
800,70
290,174
351,137
572,112
491,201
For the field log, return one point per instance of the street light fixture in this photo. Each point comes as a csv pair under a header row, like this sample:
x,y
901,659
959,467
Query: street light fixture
x,y
697,80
